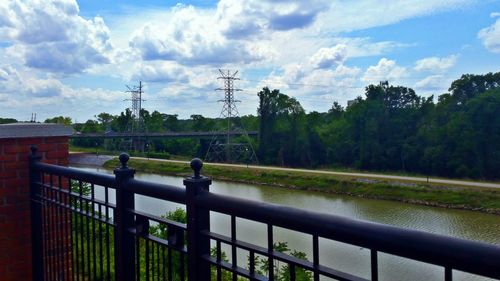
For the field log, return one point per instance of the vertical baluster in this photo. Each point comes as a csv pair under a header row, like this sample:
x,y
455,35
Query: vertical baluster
x,y
158,261
52,232
82,229
270,251
219,258
101,260
164,265
448,274
234,258
70,213
316,257
59,233
374,264
291,268
169,260
108,251
93,219
137,258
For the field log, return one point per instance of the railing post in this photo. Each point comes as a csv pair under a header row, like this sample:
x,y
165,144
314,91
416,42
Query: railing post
x,y
198,219
36,217
124,240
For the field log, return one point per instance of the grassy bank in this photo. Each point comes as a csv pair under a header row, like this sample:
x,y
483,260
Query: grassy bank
x,y
472,198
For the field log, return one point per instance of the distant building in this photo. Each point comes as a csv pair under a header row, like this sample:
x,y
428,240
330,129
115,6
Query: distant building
x,y
352,102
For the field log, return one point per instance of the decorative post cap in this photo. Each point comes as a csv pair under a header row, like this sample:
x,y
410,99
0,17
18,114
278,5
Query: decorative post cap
x,y
196,165
123,160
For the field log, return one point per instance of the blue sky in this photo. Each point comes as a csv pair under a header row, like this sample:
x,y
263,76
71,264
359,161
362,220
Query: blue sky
x,y
75,58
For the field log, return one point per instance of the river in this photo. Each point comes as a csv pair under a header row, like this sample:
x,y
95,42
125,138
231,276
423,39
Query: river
x,y
451,222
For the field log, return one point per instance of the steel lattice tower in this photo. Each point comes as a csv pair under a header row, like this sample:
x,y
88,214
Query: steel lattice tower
x,y
230,151
136,98
136,124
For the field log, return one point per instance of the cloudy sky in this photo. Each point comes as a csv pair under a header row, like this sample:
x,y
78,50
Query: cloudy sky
x,y
75,58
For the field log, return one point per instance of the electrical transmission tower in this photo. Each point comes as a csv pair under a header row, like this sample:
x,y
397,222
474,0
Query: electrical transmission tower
x,y
231,149
136,124
136,98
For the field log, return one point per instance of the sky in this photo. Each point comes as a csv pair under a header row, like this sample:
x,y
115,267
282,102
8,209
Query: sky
x,y
76,58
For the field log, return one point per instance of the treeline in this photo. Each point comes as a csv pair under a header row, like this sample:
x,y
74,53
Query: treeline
x,y
389,128
153,122
7,120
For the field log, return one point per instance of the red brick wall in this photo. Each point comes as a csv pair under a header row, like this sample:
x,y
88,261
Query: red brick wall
x,y
15,230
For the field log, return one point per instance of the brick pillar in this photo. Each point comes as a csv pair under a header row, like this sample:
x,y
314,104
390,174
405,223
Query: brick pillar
x,y
15,230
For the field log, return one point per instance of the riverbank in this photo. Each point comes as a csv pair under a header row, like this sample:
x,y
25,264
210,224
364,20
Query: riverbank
x,y
470,198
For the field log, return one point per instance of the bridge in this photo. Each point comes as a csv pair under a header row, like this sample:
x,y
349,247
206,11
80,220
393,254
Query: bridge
x,y
110,135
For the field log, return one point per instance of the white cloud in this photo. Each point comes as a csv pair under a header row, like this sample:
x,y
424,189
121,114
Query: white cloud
x,y
244,18
160,71
436,64
384,70
345,16
192,37
22,91
327,57
343,71
494,15
490,36
50,35
433,85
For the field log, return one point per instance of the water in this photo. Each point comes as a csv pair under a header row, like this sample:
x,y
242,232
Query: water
x,y
351,259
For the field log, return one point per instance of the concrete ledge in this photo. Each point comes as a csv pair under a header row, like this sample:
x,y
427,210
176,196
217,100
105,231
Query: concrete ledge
x,y
33,130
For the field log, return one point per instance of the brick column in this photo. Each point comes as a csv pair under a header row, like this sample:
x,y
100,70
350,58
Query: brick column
x,y
15,230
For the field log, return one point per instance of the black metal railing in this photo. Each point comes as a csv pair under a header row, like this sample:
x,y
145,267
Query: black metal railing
x,y
85,227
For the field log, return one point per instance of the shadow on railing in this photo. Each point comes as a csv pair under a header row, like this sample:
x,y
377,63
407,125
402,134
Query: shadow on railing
x,y
78,235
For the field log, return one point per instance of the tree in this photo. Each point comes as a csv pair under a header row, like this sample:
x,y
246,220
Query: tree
x,y
470,85
105,120
171,122
7,120
123,123
59,120
282,129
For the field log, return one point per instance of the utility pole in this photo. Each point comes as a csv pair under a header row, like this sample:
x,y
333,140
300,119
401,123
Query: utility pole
x,y
233,151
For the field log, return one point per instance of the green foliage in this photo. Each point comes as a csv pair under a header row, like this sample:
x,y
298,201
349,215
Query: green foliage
x,y
283,138
59,120
7,120
160,230
282,271
394,129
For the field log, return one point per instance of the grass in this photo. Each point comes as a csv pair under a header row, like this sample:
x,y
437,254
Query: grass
x,y
472,198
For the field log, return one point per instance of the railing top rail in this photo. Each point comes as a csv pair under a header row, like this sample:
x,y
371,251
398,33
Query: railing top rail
x,y
465,255
156,190
85,176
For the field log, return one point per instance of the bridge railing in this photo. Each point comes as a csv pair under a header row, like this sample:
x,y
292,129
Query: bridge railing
x,y
86,227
